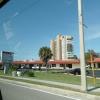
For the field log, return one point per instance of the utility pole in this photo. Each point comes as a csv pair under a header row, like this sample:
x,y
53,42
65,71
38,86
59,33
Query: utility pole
x,y
82,48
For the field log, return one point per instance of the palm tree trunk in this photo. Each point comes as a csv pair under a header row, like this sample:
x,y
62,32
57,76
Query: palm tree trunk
x,y
47,67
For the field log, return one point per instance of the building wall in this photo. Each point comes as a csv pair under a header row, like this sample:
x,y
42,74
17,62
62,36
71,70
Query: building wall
x,y
58,66
58,47
62,47
67,47
75,65
53,49
97,65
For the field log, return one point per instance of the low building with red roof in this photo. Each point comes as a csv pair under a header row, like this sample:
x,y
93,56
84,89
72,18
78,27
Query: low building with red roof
x,y
70,63
52,63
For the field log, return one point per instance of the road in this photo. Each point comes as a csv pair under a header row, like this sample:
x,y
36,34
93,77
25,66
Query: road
x,y
11,91
96,73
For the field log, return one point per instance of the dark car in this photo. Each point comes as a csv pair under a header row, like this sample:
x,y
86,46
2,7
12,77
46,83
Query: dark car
x,y
75,71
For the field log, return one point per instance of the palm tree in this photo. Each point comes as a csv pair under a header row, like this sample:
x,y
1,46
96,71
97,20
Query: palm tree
x,y
45,55
89,55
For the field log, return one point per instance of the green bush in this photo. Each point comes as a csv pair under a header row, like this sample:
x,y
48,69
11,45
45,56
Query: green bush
x,y
1,72
30,74
11,69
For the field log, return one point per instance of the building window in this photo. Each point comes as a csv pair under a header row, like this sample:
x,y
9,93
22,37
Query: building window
x,y
53,65
69,48
69,65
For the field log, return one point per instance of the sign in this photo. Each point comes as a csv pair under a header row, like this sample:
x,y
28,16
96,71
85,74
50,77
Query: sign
x,y
6,57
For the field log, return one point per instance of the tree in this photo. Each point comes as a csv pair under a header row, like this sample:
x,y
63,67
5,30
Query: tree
x,y
45,55
89,54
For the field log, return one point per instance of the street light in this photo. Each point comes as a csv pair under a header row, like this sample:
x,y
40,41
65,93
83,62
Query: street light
x,y
82,48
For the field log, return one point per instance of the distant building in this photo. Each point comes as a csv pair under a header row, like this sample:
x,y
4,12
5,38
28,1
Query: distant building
x,y
67,47
53,48
58,47
62,47
56,64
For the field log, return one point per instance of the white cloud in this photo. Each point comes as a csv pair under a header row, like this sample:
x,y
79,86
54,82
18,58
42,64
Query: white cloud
x,y
93,32
7,30
93,36
15,14
17,46
7,26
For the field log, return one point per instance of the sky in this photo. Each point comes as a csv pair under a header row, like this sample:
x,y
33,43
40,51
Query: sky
x,y
28,25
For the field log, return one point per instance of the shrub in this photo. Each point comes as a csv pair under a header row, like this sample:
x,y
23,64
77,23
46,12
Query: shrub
x,y
30,74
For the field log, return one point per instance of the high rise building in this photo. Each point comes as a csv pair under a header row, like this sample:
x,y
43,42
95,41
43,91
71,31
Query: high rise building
x,y
58,47
67,47
62,47
53,48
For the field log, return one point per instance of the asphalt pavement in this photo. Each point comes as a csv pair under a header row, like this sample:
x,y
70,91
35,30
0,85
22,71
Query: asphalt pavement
x,y
11,91
96,73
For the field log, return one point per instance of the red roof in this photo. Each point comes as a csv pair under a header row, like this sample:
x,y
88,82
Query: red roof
x,y
27,62
70,61
97,60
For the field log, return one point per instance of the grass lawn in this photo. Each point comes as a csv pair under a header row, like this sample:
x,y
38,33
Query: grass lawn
x,y
61,77
64,78
58,77
1,72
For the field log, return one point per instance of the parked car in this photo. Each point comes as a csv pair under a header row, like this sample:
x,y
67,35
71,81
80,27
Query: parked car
x,y
75,71
23,70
